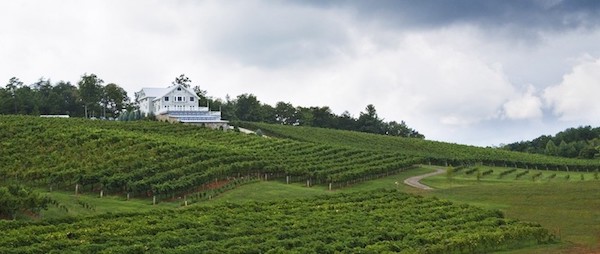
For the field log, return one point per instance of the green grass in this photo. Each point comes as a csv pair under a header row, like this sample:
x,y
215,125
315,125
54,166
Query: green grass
x,y
276,190
97,205
569,208
258,191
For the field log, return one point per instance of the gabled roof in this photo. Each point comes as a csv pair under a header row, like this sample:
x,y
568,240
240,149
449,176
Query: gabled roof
x,y
161,92
153,92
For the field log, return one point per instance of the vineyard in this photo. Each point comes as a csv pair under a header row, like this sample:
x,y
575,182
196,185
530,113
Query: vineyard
x,y
173,162
377,221
152,159
437,153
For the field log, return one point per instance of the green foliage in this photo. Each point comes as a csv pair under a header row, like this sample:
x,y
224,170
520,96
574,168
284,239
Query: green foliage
x,y
437,153
582,142
89,98
359,222
507,172
487,172
471,171
15,199
519,175
153,158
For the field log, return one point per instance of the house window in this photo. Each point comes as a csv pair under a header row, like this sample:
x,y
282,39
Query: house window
x,y
179,98
179,89
191,98
166,98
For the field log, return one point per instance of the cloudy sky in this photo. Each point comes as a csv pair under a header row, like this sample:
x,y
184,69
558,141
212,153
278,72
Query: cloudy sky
x,y
472,72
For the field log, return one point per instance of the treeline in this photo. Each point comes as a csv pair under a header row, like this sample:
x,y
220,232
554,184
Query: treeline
x,y
247,107
88,98
581,142
91,98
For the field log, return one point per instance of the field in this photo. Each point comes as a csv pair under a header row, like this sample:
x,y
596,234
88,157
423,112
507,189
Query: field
x,y
196,184
375,221
570,209
433,152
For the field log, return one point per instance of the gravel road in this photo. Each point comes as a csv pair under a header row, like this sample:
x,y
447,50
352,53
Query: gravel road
x,y
414,181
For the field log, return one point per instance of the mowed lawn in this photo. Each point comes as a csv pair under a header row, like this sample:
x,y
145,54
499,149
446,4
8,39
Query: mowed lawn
x,y
567,206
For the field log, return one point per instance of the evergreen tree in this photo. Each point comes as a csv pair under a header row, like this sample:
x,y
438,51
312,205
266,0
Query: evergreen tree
x,y
551,148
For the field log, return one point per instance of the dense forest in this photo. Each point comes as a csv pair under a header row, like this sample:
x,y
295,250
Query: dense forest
x,y
581,142
91,98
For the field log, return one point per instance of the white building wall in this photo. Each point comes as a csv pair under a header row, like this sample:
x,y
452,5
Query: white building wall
x,y
145,105
178,100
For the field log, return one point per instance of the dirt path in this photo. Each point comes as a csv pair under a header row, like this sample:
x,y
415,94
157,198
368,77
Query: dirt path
x,y
414,181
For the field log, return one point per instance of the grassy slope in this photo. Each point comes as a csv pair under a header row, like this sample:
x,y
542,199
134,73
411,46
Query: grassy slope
x,y
273,190
97,205
570,208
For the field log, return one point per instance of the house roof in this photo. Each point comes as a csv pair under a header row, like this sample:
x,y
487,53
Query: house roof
x,y
154,92
160,92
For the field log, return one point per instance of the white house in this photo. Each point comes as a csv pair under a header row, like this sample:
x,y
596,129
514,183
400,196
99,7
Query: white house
x,y
178,104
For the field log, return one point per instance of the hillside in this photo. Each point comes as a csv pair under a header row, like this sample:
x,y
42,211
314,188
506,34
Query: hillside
x,y
164,160
439,153
149,161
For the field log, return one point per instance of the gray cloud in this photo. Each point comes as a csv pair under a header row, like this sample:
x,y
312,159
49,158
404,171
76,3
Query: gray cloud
x,y
477,72
530,14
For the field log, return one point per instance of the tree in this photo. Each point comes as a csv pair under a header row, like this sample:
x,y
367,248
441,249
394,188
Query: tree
x,y
551,148
227,108
12,86
401,130
345,121
90,93
67,99
267,114
322,117
285,113
6,104
114,99
43,99
566,150
588,152
25,101
370,122
304,116
182,80
204,100
248,108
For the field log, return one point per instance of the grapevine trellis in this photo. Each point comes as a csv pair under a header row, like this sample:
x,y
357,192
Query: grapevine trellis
x,y
152,159
373,222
